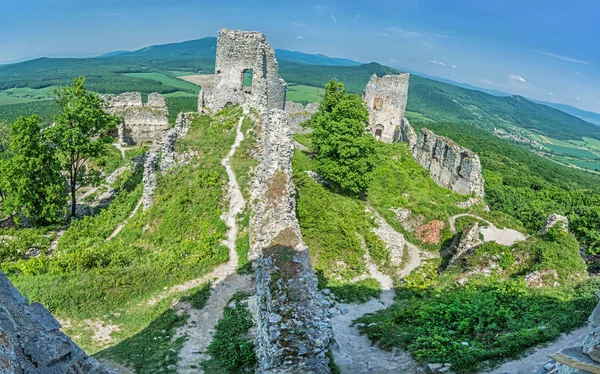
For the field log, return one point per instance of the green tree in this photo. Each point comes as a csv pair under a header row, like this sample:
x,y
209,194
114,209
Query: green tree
x,y
346,153
31,177
79,132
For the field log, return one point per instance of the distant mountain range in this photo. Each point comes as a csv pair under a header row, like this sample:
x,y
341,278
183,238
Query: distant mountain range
x,y
433,98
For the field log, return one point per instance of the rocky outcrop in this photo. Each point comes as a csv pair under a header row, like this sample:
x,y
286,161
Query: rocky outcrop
x,y
469,240
238,52
408,134
586,358
554,219
31,341
449,165
293,330
297,113
394,241
161,157
386,99
141,123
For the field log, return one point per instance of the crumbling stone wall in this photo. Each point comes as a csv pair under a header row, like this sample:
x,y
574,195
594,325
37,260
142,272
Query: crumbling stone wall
x,y
293,330
31,341
386,102
237,52
449,165
161,157
141,123
297,113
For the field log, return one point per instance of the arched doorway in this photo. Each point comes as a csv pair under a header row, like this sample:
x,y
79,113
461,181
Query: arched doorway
x,y
378,131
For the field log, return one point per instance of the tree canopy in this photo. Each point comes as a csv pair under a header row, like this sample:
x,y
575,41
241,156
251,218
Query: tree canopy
x,y
346,153
79,131
31,178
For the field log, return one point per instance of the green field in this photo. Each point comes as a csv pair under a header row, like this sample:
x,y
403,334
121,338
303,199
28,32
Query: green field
x,y
181,73
592,143
180,94
591,165
302,93
571,151
6,99
173,82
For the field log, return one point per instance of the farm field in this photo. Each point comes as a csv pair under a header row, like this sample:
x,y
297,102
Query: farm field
x,y
174,82
571,151
301,93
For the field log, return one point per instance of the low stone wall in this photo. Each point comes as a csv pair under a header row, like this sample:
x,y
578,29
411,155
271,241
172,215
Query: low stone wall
x,y
293,330
449,165
31,341
141,123
297,113
161,157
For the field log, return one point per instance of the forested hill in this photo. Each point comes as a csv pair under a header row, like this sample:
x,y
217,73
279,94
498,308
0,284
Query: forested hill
x,y
429,100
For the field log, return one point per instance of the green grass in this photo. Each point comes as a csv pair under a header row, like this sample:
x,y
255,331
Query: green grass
x,y
180,73
6,99
571,151
168,81
591,165
304,94
176,240
592,143
232,350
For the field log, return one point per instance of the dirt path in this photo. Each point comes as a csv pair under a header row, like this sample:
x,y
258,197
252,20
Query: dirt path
x,y
123,149
120,227
536,359
199,327
354,353
491,233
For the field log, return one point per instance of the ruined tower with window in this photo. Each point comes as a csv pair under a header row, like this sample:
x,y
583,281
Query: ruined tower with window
x,y
386,101
238,53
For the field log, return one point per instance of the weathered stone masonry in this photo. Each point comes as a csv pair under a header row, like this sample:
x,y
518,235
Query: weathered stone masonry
x,y
31,341
449,165
238,52
386,99
141,123
294,331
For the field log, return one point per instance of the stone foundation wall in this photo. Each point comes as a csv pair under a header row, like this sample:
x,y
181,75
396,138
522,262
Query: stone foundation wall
x,y
386,99
297,113
293,330
161,157
237,52
141,123
31,341
449,165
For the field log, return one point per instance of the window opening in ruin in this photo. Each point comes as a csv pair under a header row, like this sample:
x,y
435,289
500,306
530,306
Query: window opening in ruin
x,y
378,131
247,76
378,103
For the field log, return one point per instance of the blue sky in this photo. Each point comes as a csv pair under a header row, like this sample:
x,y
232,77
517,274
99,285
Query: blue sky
x,y
544,49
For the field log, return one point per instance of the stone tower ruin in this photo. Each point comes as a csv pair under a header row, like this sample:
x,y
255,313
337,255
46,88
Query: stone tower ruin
x,y
386,102
239,52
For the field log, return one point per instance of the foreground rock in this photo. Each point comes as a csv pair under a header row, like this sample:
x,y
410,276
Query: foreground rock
x,y
31,341
554,219
586,358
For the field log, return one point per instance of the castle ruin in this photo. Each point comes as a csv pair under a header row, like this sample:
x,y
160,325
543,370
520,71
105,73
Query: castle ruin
x,y
450,166
237,53
386,99
141,122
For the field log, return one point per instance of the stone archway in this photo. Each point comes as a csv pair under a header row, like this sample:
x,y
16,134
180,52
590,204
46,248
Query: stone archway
x,y
378,131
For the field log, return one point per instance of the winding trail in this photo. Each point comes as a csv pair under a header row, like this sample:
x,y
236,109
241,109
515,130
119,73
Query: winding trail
x,y
225,282
120,227
491,233
353,352
535,359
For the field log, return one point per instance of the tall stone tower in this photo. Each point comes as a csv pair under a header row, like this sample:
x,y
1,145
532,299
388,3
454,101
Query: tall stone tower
x,y
386,101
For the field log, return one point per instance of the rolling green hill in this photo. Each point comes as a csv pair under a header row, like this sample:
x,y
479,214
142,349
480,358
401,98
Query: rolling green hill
x,y
429,100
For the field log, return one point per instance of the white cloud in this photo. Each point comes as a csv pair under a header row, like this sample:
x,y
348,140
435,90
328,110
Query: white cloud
x,y
517,78
333,17
299,38
437,62
578,98
551,93
487,81
298,24
562,57
453,66
409,34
